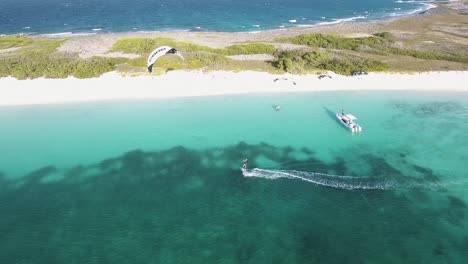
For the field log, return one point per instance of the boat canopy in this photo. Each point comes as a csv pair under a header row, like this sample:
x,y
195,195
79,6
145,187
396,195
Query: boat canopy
x,y
350,117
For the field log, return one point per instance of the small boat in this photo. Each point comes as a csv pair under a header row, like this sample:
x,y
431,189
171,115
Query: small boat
x,y
348,121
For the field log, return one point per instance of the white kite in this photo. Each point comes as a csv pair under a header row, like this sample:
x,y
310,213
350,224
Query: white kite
x,y
157,53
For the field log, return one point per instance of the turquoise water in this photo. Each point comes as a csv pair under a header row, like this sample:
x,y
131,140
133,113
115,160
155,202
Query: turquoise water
x,y
95,16
158,181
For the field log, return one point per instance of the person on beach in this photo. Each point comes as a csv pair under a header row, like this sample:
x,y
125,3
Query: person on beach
x,y
246,162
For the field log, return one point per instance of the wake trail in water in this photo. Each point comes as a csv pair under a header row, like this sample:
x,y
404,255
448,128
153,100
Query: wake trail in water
x,y
335,181
342,182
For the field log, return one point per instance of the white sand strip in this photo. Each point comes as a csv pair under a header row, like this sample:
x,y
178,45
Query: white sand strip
x,y
112,86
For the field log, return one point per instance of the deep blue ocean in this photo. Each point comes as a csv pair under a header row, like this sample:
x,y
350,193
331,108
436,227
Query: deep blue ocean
x,y
94,16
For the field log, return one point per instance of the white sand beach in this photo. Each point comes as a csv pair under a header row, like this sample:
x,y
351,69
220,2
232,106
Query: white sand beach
x,y
113,86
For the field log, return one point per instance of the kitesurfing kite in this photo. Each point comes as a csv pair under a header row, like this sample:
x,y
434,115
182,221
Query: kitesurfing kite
x,y
157,53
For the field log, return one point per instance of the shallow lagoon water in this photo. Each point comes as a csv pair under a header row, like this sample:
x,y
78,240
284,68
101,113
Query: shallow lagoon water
x,y
158,181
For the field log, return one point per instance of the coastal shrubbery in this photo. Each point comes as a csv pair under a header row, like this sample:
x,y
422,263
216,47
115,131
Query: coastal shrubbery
x,y
250,48
7,42
347,67
299,61
428,54
30,67
95,66
144,46
334,41
31,58
38,58
194,60
380,43
57,66
296,61
385,35
196,56
304,62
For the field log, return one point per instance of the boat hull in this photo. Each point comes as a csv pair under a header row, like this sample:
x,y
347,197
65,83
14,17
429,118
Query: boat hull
x,y
355,128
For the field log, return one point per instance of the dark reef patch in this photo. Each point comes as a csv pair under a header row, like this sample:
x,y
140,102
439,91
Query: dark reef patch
x,y
185,206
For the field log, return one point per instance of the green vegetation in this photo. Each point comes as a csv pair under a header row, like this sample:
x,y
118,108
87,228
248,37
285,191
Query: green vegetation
x,y
192,61
385,35
339,64
95,66
347,67
39,58
55,66
304,62
13,41
144,46
334,42
299,61
251,48
380,43
428,55
31,58
196,56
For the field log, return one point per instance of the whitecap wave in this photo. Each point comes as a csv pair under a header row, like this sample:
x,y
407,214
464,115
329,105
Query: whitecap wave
x,y
409,1
341,20
424,6
59,34
351,18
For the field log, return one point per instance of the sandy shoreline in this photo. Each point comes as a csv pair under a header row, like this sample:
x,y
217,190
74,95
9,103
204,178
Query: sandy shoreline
x,y
113,86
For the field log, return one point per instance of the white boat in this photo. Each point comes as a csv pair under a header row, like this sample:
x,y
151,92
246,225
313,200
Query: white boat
x,y
348,121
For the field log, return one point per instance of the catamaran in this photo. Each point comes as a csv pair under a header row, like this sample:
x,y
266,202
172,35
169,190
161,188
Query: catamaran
x,y
348,121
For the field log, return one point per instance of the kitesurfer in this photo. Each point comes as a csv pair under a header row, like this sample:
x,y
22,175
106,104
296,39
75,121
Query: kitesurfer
x,y
246,162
